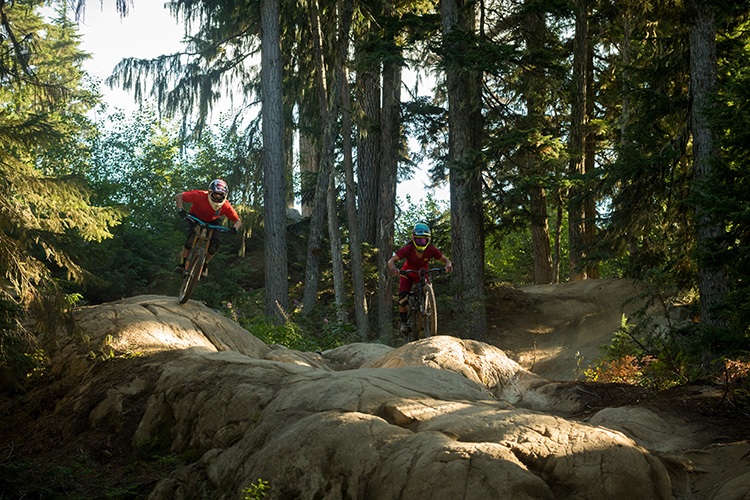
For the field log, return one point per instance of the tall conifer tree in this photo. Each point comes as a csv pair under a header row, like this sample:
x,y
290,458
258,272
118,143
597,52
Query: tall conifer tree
x,y
44,204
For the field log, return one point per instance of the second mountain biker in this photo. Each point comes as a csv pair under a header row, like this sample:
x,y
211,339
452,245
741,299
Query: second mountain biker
x,y
417,253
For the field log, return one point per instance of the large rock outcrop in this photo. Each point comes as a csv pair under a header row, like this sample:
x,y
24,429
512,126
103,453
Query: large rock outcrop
x,y
441,418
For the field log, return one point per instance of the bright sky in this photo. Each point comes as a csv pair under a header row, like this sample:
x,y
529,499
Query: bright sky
x,y
149,31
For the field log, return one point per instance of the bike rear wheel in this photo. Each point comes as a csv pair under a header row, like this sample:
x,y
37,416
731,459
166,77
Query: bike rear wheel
x,y
195,260
429,308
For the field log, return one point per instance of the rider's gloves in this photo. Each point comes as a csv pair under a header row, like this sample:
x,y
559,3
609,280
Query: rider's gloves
x,y
233,230
182,213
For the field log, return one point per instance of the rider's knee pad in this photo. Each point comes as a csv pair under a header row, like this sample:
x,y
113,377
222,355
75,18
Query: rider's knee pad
x,y
403,300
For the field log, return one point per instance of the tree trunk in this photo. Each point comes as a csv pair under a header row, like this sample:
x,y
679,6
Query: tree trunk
x,y
543,274
558,237
289,103
368,146
589,209
390,139
535,30
464,144
712,281
309,156
626,50
576,229
355,251
329,114
277,288
289,163
337,256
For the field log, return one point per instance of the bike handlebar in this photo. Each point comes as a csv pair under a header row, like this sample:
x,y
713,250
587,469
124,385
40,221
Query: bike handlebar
x,y
422,272
196,219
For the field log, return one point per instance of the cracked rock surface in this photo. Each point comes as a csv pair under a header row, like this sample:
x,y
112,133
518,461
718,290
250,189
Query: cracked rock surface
x,y
441,418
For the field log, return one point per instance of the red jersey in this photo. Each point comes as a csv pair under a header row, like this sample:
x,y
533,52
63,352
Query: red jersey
x,y
204,211
414,261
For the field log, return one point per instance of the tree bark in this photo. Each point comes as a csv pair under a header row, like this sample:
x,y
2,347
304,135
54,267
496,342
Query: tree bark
x,y
589,209
535,30
576,228
390,139
712,281
309,156
337,256
355,250
464,144
558,236
368,146
328,115
543,274
277,288
289,103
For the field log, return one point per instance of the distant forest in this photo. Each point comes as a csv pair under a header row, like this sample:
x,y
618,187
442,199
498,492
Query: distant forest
x,y
580,139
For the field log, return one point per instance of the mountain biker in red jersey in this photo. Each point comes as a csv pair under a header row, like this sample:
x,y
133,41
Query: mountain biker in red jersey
x,y
417,253
208,206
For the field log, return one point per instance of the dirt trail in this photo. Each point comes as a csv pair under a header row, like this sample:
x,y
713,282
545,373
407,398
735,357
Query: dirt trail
x,y
549,329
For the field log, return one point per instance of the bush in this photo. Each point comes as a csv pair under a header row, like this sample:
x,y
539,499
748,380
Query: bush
x,y
316,331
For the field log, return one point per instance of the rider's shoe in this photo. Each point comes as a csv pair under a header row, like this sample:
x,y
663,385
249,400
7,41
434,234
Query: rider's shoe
x,y
180,268
204,273
405,328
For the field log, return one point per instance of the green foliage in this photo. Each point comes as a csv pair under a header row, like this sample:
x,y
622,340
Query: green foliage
x,y
645,177
45,205
80,477
255,491
726,195
140,163
316,330
434,213
309,333
509,259
639,358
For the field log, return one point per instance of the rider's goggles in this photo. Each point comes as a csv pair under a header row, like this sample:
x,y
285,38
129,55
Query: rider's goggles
x,y
422,242
215,196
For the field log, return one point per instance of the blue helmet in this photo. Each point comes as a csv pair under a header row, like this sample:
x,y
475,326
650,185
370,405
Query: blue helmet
x,y
421,236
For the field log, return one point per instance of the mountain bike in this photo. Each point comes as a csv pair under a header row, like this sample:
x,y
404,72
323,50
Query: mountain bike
x,y
196,258
422,314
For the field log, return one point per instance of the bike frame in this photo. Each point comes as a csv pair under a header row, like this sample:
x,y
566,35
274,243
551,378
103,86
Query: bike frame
x,y
196,260
417,296
204,232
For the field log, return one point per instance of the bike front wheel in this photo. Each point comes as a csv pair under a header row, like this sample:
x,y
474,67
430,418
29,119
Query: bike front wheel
x,y
429,311
415,318
195,260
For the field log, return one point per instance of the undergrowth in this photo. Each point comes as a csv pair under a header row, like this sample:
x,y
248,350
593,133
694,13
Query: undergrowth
x,y
316,331
672,348
81,478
